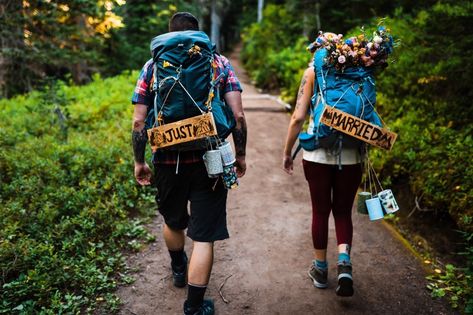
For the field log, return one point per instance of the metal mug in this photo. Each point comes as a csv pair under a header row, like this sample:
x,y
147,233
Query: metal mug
x,y
228,158
375,211
387,201
213,163
230,179
361,202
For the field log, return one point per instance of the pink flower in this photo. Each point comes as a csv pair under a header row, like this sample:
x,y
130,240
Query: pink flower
x,y
367,61
341,59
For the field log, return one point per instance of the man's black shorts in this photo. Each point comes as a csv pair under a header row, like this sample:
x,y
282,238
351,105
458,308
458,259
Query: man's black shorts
x,y
207,221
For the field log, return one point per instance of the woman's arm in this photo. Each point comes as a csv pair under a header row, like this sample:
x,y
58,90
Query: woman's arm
x,y
304,96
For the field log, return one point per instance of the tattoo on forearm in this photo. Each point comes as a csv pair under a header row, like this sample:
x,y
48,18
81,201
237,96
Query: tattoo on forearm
x,y
139,139
239,137
301,91
301,88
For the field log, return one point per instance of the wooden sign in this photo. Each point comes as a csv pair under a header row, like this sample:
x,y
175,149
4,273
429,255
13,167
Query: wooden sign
x,y
181,131
358,128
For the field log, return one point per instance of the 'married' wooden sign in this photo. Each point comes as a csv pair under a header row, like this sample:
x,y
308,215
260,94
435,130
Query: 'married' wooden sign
x,y
358,128
181,131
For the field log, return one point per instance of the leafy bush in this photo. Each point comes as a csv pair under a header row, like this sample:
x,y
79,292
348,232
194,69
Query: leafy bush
x,y
454,282
427,95
273,52
69,200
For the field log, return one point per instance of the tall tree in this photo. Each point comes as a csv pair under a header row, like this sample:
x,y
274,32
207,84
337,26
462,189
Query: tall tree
x,y
216,21
260,10
52,38
13,74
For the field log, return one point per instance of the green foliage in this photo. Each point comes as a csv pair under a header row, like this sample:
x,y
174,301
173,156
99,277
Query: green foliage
x,y
41,38
456,283
143,19
429,106
274,53
70,204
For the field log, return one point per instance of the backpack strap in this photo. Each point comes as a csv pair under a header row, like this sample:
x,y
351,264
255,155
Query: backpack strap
x,y
155,90
213,83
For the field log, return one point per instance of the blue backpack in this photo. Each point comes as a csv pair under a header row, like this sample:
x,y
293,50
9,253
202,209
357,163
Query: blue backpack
x,y
185,85
351,91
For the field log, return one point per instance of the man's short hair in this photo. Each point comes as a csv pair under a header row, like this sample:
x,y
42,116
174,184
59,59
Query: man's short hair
x,y
183,21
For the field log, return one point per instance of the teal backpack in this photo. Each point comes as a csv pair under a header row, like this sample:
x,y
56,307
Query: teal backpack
x,y
185,84
352,91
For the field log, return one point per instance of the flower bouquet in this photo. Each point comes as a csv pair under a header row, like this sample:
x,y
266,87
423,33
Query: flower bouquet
x,y
357,51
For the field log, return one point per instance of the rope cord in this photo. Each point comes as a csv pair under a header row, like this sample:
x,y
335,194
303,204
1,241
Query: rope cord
x,y
165,100
375,176
369,176
190,96
176,80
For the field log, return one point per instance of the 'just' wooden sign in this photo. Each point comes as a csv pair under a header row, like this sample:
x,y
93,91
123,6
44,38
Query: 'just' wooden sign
x,y
358,128
181,131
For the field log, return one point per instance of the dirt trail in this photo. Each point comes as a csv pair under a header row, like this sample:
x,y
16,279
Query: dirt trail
x,y
264,263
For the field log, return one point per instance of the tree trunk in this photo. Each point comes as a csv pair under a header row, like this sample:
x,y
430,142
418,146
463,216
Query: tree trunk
x,y
216,23
260,10
79,67
12,68
317,16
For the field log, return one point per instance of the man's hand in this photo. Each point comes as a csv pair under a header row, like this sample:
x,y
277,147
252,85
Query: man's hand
x,y
288,164
143,174
240,166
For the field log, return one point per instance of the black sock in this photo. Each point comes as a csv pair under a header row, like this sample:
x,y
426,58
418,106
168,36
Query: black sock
x,y
195,296
177,258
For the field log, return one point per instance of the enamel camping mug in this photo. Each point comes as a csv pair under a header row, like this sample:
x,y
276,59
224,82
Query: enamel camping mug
x,y
387,201
375,210
213,163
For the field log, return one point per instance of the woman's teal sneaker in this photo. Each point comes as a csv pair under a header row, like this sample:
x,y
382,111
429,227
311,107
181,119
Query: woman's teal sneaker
x,y
318,276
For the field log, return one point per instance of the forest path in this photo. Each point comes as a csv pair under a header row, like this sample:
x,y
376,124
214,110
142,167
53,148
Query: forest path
x,y
263,266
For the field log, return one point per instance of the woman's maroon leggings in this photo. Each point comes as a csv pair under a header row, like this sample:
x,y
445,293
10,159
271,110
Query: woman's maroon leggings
x,y
332,189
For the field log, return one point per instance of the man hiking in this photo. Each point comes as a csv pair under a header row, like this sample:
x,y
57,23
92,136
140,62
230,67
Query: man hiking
x,y
180,174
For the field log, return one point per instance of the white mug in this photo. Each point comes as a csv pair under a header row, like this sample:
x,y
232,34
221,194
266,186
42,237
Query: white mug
x,y
226,151
213,163
387,201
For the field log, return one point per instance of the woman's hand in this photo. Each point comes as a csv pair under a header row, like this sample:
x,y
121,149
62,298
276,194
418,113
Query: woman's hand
x,y
288,164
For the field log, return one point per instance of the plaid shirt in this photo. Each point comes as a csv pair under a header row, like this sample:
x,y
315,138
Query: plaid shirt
x,y
143,95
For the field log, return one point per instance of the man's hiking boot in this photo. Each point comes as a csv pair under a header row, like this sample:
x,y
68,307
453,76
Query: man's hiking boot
x,y
207,308
345,279
179,274
318,276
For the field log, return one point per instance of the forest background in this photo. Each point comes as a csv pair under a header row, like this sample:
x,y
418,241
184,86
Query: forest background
x,y
69,206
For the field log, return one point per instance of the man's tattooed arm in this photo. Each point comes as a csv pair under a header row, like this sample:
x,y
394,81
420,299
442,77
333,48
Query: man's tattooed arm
x,y
239,137
139,138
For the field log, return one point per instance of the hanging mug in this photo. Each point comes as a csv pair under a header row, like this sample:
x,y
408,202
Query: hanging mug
x,y
226,151
375,210
230,179
387,201
361,202
213,163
